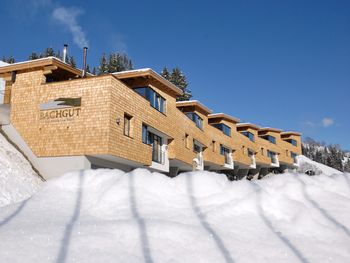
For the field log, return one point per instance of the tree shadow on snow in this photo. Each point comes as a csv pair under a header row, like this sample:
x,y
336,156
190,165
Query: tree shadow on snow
x,y
323,211
14,214
66,239
202,219
278,234
140,221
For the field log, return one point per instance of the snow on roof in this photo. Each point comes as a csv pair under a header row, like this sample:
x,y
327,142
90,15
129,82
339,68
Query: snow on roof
x,y
2,63
248,124
270,129
194,103
223,116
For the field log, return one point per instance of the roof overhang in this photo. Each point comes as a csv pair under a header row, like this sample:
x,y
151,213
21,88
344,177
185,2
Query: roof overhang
x,y
288,133
223,116
268,129
50,63
248,125
148,73
193,103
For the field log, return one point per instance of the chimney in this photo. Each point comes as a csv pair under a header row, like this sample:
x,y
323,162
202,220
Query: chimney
x,y
84,68
65,52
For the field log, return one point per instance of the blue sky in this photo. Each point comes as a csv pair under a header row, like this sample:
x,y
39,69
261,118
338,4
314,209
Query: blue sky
x,y
282,64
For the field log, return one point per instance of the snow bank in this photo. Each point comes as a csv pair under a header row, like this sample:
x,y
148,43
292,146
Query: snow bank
x,y
111,216
308,164
18,181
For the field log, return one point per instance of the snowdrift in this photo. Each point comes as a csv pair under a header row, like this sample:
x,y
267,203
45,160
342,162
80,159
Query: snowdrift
x,y
111,216
18,181
319,168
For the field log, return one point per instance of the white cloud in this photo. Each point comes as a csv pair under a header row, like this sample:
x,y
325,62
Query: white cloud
x,y
68,18
326,122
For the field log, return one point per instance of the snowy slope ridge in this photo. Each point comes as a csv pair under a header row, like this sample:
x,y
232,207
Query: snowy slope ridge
x,y
111,216
308,164
18,181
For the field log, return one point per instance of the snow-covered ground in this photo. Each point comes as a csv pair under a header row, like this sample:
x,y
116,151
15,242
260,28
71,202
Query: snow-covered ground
x,y
308,164
18,181
111,216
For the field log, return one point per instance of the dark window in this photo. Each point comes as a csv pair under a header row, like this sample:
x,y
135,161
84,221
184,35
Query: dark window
x,y
155,141
225,152
293,142
196,148
270,138
272,156
127,125
187,142
250,153
156,101
249,135
223,127
196,119
144,134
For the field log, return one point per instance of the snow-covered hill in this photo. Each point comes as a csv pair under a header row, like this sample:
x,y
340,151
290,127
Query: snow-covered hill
x,y
18,181
110,216
319,168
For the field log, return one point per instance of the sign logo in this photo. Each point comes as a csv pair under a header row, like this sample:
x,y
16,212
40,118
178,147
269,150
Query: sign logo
x,y
61,108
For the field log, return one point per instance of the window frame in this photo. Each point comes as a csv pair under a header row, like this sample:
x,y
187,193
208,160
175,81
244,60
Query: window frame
x,y
155,100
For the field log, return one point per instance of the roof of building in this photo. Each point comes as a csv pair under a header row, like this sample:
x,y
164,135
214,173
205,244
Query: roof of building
x,y
2,63
194,103
148,73
291,133
248,125
224,117
40,63
267,129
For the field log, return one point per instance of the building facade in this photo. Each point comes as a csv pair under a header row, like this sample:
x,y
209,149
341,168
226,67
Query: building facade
x,y
63,121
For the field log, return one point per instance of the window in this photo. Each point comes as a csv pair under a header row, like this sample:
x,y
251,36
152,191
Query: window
x,y
249,135
270,138
250,153
225,152
272,156
262,151
187,142
127,125
196,119
156,101
213,145
293,155
196,147
155,141
223,127
144,134
293,142
286,152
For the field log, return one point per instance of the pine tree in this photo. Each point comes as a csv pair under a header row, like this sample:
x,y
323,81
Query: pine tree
x,y
71,61
9,60
165,73
88,69
94,71
118,62
33,56
103,68
49,52
179,80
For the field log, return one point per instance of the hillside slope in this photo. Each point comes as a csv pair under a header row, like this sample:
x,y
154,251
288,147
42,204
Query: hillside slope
x,y
18,181
111,216
319,168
